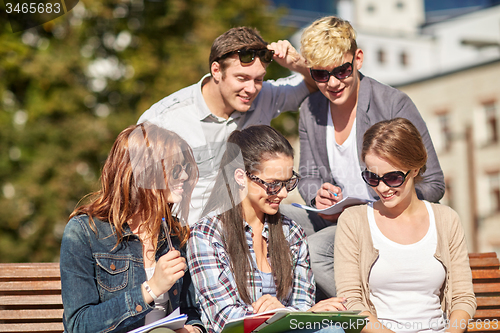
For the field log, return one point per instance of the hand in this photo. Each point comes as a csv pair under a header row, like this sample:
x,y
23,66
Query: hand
x,y
266,303
330,304
286,55
188,329
328,195
169,268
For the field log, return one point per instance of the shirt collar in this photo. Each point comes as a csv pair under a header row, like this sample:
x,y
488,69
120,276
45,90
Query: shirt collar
x,y
265,230
202,107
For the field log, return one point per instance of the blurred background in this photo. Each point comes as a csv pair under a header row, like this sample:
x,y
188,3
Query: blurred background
x,y
69,86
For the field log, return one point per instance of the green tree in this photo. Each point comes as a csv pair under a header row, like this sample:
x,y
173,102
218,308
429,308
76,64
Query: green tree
x,y
67,88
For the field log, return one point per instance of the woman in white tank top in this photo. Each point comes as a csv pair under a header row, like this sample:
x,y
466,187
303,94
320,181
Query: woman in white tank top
x,y
397,267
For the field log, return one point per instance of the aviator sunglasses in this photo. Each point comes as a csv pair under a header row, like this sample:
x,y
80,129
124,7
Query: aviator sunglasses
x,y
391,179
178,168
276,186
247,56
340,72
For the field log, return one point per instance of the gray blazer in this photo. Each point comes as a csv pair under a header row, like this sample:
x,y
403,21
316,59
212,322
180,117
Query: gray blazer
x,y
376,102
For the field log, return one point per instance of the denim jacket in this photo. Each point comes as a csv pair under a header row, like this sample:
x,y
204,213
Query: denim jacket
x,y
101,285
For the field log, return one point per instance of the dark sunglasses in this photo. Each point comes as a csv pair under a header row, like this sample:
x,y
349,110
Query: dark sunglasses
x,y
178,168
275,187
247,56
340,72
391,179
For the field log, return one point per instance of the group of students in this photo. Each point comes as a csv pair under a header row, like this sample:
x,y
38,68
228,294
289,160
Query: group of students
x,y
189,211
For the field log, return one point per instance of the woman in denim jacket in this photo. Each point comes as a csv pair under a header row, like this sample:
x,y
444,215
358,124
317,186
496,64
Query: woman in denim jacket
x,y
118,271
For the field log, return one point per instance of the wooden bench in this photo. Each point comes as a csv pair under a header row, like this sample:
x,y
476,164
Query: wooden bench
x,y
30,298
486,282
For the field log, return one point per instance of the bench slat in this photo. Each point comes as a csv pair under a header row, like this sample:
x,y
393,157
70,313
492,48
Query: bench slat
x,y
484,263
30,270
30,286
487,313
482,288
31,300
490,274
33,327
55,314
481,326
483,255
488,302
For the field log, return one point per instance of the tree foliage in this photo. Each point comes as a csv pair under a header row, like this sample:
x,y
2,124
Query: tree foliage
x,y
67,88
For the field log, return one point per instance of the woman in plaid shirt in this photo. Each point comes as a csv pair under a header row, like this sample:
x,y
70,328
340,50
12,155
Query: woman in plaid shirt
x,y
244,256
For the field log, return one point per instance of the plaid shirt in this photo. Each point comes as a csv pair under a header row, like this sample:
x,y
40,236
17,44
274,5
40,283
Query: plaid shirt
x,y
215,284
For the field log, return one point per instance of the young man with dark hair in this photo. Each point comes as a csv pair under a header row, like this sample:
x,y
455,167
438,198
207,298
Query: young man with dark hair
x,y
233,96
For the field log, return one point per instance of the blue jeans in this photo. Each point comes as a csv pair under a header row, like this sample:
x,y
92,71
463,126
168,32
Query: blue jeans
x,y
320,238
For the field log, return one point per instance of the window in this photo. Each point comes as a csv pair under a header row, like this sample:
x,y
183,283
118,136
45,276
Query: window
x,y
445,131
381,56
490,109
403,58
494,182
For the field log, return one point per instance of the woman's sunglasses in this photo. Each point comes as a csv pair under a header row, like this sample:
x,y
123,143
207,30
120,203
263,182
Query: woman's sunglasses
x,y
248,56
391,179
275,187
178,168
340,72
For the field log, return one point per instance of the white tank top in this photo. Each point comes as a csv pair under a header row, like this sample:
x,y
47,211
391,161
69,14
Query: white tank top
x,y
405,282
344,162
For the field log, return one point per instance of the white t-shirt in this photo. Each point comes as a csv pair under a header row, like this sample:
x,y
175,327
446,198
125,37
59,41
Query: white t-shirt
x,y
161,304
344,162
405,281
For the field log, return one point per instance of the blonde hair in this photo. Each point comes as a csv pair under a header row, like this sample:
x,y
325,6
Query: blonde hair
x,y
326,41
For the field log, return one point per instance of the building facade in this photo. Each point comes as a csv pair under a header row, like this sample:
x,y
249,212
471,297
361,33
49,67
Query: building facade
x,y
462,111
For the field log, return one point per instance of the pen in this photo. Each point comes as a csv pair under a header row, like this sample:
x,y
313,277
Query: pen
x,y
167,233
335,194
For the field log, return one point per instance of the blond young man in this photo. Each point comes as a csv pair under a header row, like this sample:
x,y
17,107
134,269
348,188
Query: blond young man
x,y
332,123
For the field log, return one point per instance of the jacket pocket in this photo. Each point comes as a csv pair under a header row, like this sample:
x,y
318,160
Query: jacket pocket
x,y
112,272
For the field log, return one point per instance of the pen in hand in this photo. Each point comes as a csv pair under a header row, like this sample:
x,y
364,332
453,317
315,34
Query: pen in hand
x,y
167,233
169,240
334,194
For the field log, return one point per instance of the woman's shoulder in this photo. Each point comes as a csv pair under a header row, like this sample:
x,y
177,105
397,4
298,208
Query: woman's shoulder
x,y
354,212
207,226
82,223
78,222
445,216
442,209
292,228
354,218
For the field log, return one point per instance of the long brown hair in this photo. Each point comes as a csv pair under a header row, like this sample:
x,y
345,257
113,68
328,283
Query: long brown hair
x,y
397,141
247,149
134,182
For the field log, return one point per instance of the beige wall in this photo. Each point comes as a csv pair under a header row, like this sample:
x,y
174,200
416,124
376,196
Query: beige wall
x,y
462,96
